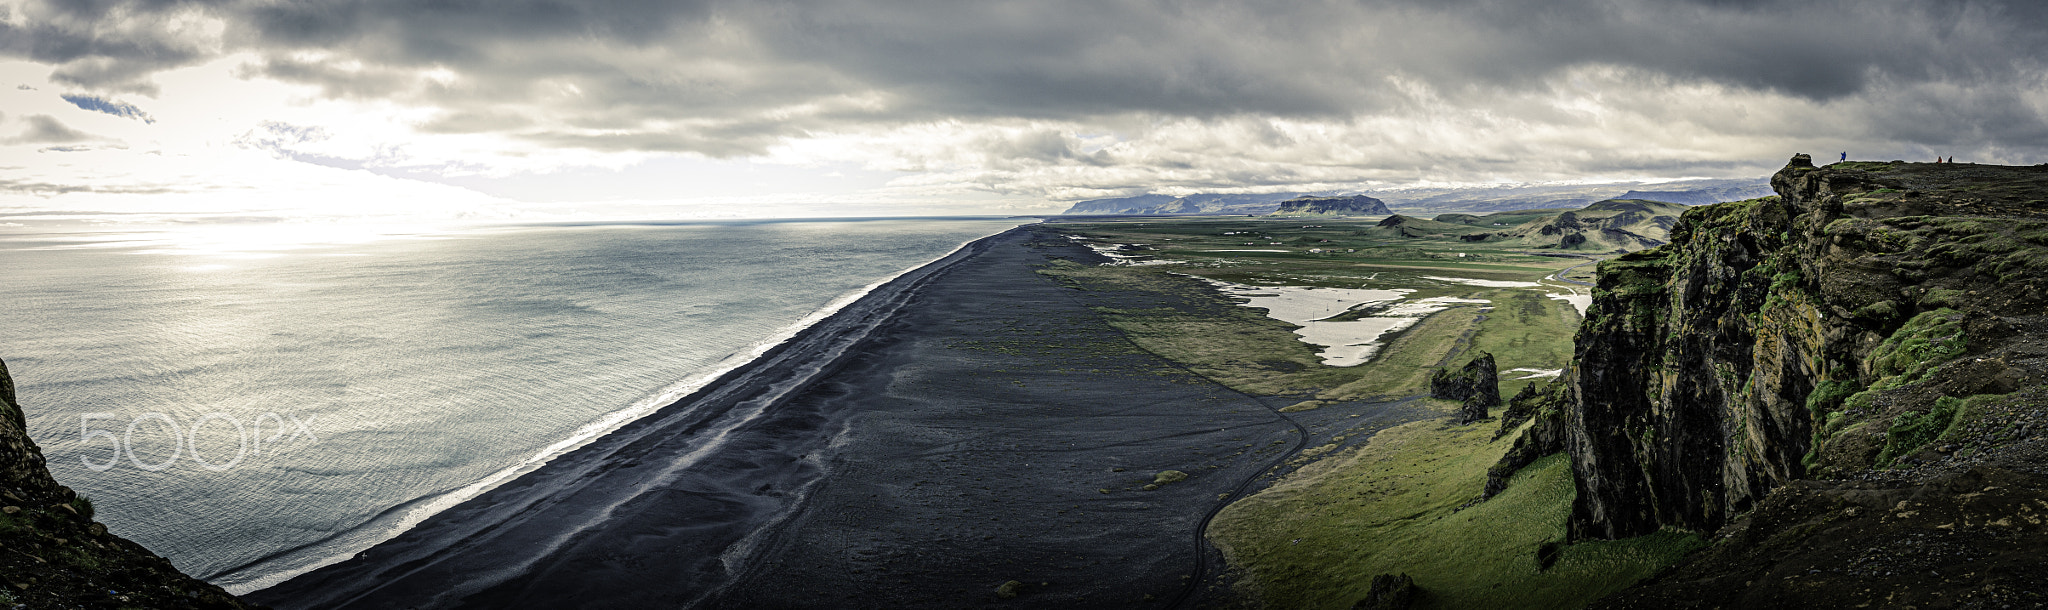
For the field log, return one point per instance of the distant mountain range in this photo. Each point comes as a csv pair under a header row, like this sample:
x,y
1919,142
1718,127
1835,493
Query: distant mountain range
x,y
1427,201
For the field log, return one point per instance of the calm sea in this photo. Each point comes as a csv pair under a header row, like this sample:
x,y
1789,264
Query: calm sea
x,y
252,413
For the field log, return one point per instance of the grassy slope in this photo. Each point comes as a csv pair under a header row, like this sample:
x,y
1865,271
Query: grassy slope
x,y
1316,538
1526,330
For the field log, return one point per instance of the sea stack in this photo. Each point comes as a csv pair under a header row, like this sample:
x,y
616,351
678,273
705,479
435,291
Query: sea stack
x,y
1477,386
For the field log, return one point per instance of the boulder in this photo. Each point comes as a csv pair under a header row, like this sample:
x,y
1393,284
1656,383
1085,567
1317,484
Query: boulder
x,y
1389,592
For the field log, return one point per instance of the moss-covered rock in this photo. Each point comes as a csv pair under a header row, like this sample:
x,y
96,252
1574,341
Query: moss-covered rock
x,y
1813,332
1476,387
1546,406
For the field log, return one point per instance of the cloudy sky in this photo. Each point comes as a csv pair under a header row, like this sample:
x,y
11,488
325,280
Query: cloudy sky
x,y
539,109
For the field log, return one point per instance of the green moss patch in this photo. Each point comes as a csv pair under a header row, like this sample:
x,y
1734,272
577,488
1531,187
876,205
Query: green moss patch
x,y
1923,344
1399,506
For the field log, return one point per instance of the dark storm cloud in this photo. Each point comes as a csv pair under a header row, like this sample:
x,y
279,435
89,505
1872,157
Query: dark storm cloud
x,y
1060,59
112,45
736,78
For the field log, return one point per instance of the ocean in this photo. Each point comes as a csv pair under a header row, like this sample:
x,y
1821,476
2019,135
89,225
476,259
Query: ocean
x,y
254,412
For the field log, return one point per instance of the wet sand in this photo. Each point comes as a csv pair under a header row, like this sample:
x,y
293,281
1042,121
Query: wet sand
x,y
954,430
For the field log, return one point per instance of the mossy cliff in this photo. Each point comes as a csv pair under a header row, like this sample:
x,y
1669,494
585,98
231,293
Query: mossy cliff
x,y
1881,322
57,556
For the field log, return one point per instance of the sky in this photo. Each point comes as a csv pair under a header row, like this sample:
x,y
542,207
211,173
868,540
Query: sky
x,y
255,111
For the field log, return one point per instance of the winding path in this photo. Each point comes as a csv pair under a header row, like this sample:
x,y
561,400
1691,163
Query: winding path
x,y
1559,276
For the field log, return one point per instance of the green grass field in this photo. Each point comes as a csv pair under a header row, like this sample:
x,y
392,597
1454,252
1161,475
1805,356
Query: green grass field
x,y
1316,539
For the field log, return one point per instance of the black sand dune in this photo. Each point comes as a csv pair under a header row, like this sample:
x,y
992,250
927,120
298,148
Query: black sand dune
x,y
952,431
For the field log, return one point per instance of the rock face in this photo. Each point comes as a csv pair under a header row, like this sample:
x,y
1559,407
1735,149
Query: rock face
x,y
1389,592
1844,326
1858,544
59,557
1477,386
1355,205
1545,404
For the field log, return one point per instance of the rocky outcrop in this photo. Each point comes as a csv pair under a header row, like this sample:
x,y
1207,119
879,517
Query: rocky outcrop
x,y
1958,541
58,556
1355,205
1542,403
1389,592
1477,387
1852,324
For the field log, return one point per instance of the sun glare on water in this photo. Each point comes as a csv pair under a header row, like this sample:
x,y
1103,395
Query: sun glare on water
x,y
218,247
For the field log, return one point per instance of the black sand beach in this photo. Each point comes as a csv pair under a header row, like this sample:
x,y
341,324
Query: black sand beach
x,y
969,424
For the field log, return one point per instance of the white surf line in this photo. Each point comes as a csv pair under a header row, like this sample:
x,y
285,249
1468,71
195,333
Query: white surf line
x,y
708,441
584,435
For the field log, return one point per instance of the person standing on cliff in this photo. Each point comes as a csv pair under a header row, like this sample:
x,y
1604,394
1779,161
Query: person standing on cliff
x,y
1845,156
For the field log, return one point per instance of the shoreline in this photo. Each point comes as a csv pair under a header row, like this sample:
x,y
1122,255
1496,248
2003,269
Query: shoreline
x,y
975,423
681,395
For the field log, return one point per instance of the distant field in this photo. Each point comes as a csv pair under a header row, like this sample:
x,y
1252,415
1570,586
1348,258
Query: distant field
x,y
1316,537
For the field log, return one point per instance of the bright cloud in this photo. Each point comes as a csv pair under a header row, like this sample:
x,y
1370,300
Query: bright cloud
x,y
853,107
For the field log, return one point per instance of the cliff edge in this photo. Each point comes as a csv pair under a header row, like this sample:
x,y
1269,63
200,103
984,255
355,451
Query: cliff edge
x,y
1844,383
56,556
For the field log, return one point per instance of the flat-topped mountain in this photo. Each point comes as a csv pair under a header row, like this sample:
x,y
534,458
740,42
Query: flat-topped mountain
x,y
1207,203
1355,205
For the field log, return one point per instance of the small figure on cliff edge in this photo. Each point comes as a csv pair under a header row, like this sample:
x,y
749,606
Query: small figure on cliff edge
x,y
1845,156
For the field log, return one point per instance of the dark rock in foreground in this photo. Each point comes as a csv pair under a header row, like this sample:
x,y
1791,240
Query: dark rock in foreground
x,y
58,557
1544,403
1840,328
